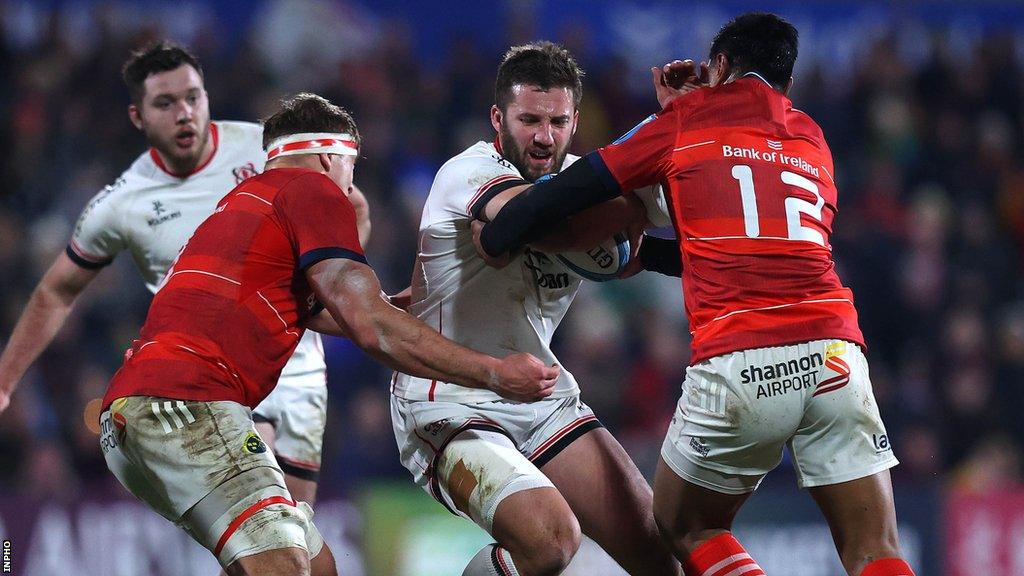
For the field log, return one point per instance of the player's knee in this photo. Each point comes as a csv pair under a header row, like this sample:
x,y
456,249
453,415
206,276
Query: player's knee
x,y
279,562
555,546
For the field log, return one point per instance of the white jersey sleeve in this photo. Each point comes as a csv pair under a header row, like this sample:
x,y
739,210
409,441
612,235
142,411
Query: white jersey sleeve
x,y
466,183
98,236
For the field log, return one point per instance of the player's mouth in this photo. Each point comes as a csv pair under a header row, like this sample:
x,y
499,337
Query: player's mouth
x,y
540,157
186,139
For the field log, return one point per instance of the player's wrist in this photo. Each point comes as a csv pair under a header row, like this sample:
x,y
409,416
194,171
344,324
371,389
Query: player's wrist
x,y
660,255
491,376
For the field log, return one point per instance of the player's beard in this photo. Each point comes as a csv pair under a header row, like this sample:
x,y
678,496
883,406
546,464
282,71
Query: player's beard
x,y
183,162
518,157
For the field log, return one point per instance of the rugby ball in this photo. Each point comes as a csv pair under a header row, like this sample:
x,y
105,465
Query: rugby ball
x,y
602,262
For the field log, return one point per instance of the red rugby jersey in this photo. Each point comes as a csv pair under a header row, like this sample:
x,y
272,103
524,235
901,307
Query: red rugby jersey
x,y
751,191
227,316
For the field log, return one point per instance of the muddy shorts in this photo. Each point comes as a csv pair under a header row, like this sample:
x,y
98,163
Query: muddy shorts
x,y
470,457
738,410
202,466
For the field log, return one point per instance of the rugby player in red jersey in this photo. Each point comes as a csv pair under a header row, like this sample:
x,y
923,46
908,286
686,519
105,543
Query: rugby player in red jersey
x,y
777,351
280,254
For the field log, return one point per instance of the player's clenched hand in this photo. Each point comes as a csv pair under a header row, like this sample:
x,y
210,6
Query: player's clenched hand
x,y
677,78
524,378
492,261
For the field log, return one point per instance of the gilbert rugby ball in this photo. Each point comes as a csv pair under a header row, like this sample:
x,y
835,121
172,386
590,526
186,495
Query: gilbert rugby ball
x,y
602,262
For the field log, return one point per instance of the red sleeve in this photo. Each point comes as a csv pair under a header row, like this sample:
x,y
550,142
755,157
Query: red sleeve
x,y
319,220
643,155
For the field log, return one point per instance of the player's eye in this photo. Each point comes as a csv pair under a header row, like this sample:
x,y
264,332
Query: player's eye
x,y
192,99
162,105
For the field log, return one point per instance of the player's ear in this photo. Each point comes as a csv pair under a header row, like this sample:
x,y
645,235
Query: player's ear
x,y
325,161
788,87
722,66
496,116
575,121
135,116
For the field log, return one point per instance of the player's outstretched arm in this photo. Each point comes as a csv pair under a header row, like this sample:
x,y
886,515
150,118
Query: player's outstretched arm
x,y
45,313
351,293
592,226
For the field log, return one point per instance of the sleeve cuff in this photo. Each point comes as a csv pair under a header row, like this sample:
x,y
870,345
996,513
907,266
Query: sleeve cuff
x,y
83,261
318,254
481,202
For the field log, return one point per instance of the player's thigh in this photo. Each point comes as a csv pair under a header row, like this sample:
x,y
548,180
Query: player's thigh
x,y
612,501
603,487
729,428
683,508
841,436
464,455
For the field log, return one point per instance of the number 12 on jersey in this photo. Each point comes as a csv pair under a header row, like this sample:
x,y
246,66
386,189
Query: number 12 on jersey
x,y
794,206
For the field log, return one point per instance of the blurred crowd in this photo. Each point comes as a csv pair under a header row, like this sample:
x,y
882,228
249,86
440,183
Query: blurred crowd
x,y
930,232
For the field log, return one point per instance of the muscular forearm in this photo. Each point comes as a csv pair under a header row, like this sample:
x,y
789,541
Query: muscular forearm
x,y
39,323
351,293
412,347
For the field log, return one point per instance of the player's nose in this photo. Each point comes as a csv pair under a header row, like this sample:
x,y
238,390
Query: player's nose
x,y
544,135
185,112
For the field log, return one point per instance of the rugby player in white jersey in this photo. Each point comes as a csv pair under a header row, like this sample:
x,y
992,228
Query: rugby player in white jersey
x,y
151,210
533,475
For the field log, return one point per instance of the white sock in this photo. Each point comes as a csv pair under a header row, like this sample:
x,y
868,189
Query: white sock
x,y
491,560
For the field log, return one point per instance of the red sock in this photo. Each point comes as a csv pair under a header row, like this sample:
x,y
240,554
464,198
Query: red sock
x,y
720,556
887,567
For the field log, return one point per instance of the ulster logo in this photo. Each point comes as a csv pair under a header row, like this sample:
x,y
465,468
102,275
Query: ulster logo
x,y
244,172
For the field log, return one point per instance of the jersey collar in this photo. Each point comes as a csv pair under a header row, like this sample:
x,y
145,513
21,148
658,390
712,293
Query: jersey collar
x,y
160,161
759,77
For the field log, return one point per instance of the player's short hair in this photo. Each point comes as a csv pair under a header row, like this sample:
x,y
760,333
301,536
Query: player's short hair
x,y
759,42
160,56
307,112
542,64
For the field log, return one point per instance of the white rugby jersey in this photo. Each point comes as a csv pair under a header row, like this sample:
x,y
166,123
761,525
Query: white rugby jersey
x,y
497,312
152,213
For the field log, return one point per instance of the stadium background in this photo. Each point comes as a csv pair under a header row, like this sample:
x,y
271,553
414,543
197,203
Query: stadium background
x,y
921,103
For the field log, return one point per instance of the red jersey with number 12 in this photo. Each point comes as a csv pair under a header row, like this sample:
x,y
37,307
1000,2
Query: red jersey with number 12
x,y
228,315
750,184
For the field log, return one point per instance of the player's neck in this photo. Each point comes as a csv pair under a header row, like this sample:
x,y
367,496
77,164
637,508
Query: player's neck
x,y
307,161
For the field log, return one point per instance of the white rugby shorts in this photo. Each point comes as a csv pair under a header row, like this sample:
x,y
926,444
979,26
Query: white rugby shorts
x,y
504,444
297,409
202,466
737,411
